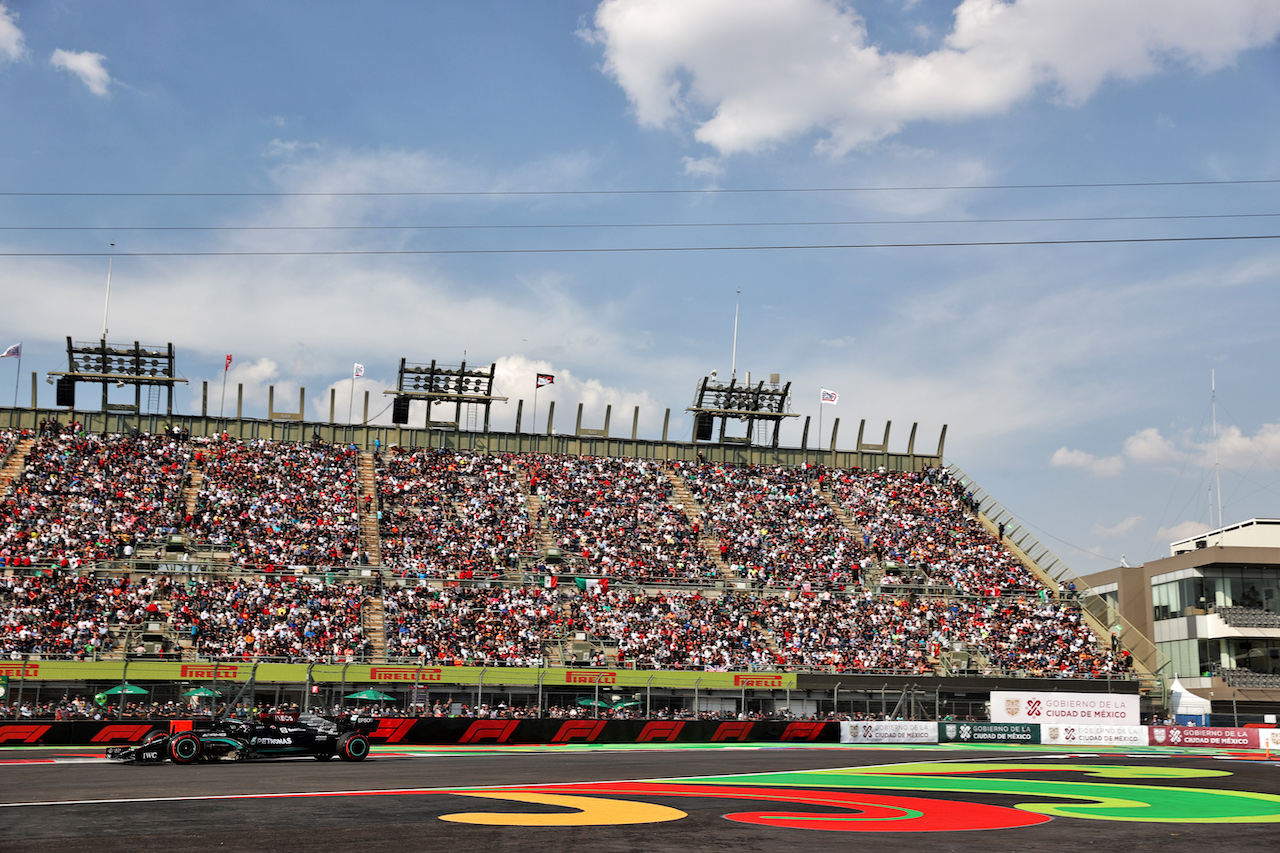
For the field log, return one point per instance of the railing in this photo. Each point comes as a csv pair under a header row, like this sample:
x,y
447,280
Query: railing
x,y
1143,649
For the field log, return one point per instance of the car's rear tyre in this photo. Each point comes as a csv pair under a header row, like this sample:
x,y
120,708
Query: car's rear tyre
x,y
185,748
353,746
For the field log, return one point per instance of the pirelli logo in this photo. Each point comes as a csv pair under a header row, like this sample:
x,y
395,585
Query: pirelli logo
x,y
404,673
590,676
758,681
20,670
202,670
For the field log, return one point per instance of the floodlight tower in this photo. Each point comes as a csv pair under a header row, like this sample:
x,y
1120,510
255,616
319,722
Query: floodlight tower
x,y
100,362
443,383
759,403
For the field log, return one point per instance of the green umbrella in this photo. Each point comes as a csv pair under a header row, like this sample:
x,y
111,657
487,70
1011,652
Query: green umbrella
x,y
372,695
628,703
593,703
131,689
201,691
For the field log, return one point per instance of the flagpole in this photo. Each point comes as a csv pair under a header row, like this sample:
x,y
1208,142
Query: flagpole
x,y
536,386
17,377
226,368
352,396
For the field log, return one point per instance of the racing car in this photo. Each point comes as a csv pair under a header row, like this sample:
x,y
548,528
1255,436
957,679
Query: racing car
x,y
276,735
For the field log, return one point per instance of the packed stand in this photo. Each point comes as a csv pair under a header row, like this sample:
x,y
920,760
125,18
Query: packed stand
x,y
83,498
275,504
924,523
619,515
773,526
72,616
267,617
450,514
465,625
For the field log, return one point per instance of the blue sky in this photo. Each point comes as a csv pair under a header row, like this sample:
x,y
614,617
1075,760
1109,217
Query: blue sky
x,y
229,150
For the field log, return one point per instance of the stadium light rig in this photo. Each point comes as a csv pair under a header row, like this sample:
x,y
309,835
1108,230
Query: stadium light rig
x,y
121,365
715,400
443,383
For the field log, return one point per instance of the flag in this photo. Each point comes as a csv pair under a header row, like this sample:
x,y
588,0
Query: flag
x,y
592,586
357,371
545,379
830,397
550,581
14,351
228,365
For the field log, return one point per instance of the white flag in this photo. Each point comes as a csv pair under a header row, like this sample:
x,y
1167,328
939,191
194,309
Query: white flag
x,y
830,397
12,352
357,371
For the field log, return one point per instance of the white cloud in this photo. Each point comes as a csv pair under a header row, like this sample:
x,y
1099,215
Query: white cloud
x,y
749,74
1104,466
85,65
1182,530
1117,530
290,147
1239,451
12,46
1149,447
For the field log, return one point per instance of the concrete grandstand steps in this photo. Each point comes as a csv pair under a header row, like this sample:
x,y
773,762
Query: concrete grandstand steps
x,y
16,463
191,492
533,508
709,544
374,625
368,508
871,576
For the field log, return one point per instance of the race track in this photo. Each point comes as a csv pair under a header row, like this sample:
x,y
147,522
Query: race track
x,y
649,798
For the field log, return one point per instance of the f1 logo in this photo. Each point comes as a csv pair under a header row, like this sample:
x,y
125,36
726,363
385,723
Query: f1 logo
x,y
496,731
22,734
114,733
578,729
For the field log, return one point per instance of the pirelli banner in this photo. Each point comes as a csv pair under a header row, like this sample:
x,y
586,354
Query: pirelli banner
x,y
409,731
388,676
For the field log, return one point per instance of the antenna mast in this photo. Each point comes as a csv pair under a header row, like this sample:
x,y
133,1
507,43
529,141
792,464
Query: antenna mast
x,y
1217,469
107,304
733,365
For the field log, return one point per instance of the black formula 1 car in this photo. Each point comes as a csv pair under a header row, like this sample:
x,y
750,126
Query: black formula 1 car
x,y
270,736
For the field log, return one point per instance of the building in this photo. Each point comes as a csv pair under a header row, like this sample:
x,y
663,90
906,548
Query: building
x,y
1212,608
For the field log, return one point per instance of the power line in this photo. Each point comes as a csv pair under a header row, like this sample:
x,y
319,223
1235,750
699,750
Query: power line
x,y
620,225
711,191
646,249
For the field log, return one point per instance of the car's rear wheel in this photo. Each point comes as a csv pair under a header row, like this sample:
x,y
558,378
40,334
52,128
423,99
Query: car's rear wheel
x,y
185,748
353,746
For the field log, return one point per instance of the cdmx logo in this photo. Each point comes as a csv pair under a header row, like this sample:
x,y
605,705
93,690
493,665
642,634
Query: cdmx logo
x,y
893,798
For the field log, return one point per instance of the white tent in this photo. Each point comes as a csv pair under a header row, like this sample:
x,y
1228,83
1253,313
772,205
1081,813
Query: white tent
x,y
1184,702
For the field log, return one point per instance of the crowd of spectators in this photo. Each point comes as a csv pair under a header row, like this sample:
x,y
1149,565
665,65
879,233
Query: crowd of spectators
x,y
72,615
450,513
278,504
774,527
456,625
270,617
922,525
83,498
619,515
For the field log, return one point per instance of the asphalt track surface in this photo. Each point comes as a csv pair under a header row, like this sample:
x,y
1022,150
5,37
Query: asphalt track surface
x,y
411,799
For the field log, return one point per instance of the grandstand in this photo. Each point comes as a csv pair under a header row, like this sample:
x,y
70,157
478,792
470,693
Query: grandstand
x,y
845,578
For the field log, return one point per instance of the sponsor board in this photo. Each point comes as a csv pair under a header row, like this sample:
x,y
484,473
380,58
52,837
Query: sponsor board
x,y
1082,709
404,673
1068,735
970,732
20,670
209,670
590,676
1195,736
889,731
758,681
